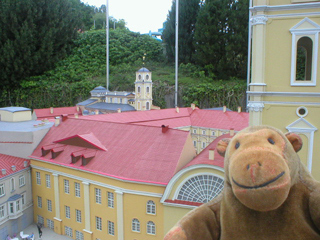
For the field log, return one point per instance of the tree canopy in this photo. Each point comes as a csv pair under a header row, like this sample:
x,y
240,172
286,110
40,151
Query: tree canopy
x,y
35,34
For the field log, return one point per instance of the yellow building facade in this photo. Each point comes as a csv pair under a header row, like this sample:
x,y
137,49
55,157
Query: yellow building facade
x,y
284,87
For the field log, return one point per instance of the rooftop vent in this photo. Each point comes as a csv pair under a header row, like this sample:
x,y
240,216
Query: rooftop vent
x,y
57,121
13,167
211,154
224,109
177,109
25,164
193,106
239,109
4,171
46,149
51,110
164,128
231,132
64,117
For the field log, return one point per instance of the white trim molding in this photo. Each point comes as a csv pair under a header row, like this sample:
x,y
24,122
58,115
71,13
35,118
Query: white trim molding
x,y
259,20
302,126
290,7
256,106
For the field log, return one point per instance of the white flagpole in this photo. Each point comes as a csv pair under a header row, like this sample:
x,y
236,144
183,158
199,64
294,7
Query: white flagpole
x,y
176,53
107,43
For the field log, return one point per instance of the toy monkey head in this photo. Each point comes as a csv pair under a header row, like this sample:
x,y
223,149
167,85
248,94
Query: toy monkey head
x,y
261,165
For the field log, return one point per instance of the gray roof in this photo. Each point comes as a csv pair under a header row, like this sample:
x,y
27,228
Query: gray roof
x,y
111,106
14,197
26,126
219,108
115,93
15,109
86,102
143,70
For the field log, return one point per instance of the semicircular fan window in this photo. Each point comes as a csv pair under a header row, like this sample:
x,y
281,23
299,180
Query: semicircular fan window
x,y
201,188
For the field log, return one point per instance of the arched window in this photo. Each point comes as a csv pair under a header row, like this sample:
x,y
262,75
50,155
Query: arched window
x,y
151,228
139,89
135,225
139,77
304,59
201,188
148,89
147,105
147,77
151,207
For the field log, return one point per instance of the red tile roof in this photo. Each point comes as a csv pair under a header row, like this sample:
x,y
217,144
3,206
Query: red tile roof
x,y
134,153
57,112
216,119
203,157
6,162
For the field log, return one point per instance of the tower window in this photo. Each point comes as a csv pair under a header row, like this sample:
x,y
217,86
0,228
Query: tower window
x,y
139,89
147,77
304,59
304,53
148,89
139,77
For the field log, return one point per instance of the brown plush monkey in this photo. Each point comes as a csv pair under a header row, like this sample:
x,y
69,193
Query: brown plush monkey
x,y
268,193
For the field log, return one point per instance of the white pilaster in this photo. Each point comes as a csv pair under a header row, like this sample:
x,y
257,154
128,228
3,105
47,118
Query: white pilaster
x,y
86,200
56,195
120,215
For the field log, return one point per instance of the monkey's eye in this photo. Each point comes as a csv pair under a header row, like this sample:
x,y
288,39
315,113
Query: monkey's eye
x,y
270,140
237,145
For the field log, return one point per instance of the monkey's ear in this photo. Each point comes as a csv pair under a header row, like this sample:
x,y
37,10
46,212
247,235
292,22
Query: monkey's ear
x,y
295,140
222,146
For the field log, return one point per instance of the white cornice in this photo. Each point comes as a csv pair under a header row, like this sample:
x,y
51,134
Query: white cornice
x,y
284,94
290,7
117,189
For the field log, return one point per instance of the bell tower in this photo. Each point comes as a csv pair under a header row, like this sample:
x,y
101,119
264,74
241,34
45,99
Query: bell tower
x,y
143,89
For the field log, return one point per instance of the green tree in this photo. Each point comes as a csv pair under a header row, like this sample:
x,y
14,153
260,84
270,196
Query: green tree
x,y
221,37
34,35
188,11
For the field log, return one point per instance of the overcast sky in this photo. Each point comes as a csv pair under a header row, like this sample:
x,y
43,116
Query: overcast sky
x,y
140,15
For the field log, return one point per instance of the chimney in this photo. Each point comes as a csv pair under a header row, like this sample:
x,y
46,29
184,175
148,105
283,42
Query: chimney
x,y
231,132
211,154
51,110
25,163
13,167
165,128
224,109
76,115
57,121
193,106
78,109
119,110
64,117
96,112
239,109
177,109
4,171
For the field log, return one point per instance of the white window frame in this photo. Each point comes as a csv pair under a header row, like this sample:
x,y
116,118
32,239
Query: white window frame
x,y
111,228
203,144
22,181
77,189
3,211
23,199
67,211
14,207
79,235
99,223
78,216
48,181
151,207
50,223
98,195
151,228
39,201
38,178
313,34
49,205
66,186
40,220
68,231
110,200
12,185
135,226
2,189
